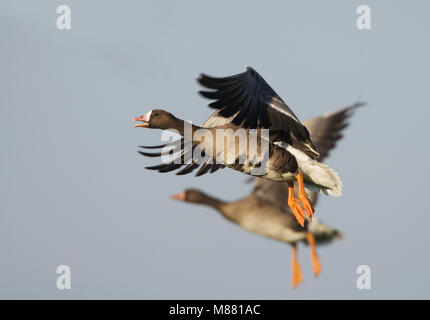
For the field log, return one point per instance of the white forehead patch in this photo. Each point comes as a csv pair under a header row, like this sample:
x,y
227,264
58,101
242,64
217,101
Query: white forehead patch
x,y
147,115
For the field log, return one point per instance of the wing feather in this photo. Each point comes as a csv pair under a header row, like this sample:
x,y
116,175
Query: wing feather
x,y
254,104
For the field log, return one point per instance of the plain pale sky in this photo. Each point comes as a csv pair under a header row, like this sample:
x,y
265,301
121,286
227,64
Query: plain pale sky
x,y
74,191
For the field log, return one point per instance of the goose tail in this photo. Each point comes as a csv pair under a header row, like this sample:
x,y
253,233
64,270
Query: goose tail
x,y
320,177
323,234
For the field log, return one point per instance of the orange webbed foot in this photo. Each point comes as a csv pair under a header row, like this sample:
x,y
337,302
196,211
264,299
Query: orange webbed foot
x,y
303,197
306,204
297,276
316,265
295,206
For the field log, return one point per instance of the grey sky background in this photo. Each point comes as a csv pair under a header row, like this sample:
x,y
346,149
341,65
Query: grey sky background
x,y
74,191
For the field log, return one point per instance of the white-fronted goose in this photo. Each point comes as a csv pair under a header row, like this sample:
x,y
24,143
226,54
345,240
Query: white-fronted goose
x,y
270,219
245,102
264,211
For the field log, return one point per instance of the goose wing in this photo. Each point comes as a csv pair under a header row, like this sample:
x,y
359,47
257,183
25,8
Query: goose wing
x,y
325,132
326,129
248,101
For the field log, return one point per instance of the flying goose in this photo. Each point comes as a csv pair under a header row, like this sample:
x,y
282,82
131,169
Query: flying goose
x,y
270,219
246,102
264,211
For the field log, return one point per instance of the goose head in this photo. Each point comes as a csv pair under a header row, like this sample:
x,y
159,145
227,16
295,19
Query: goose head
x,y
190,195
157,118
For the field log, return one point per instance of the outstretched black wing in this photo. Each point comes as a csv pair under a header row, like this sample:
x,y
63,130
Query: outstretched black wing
x,y
250,102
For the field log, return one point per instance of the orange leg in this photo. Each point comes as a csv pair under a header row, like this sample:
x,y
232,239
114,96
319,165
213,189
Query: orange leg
x,y
294,204
303,197
314,257
295,266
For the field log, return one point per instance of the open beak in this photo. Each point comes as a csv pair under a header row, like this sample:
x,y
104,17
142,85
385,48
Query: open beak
x,y
178,196
144,119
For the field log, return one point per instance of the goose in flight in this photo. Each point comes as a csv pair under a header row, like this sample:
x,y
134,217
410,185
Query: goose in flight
x,y
270,219
265,212
246,103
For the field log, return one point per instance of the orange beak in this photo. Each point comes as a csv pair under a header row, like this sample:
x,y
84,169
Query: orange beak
x,y
144,119
178,196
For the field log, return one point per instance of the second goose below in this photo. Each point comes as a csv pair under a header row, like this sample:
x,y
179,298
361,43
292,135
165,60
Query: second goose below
x,y
270,219
264,211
